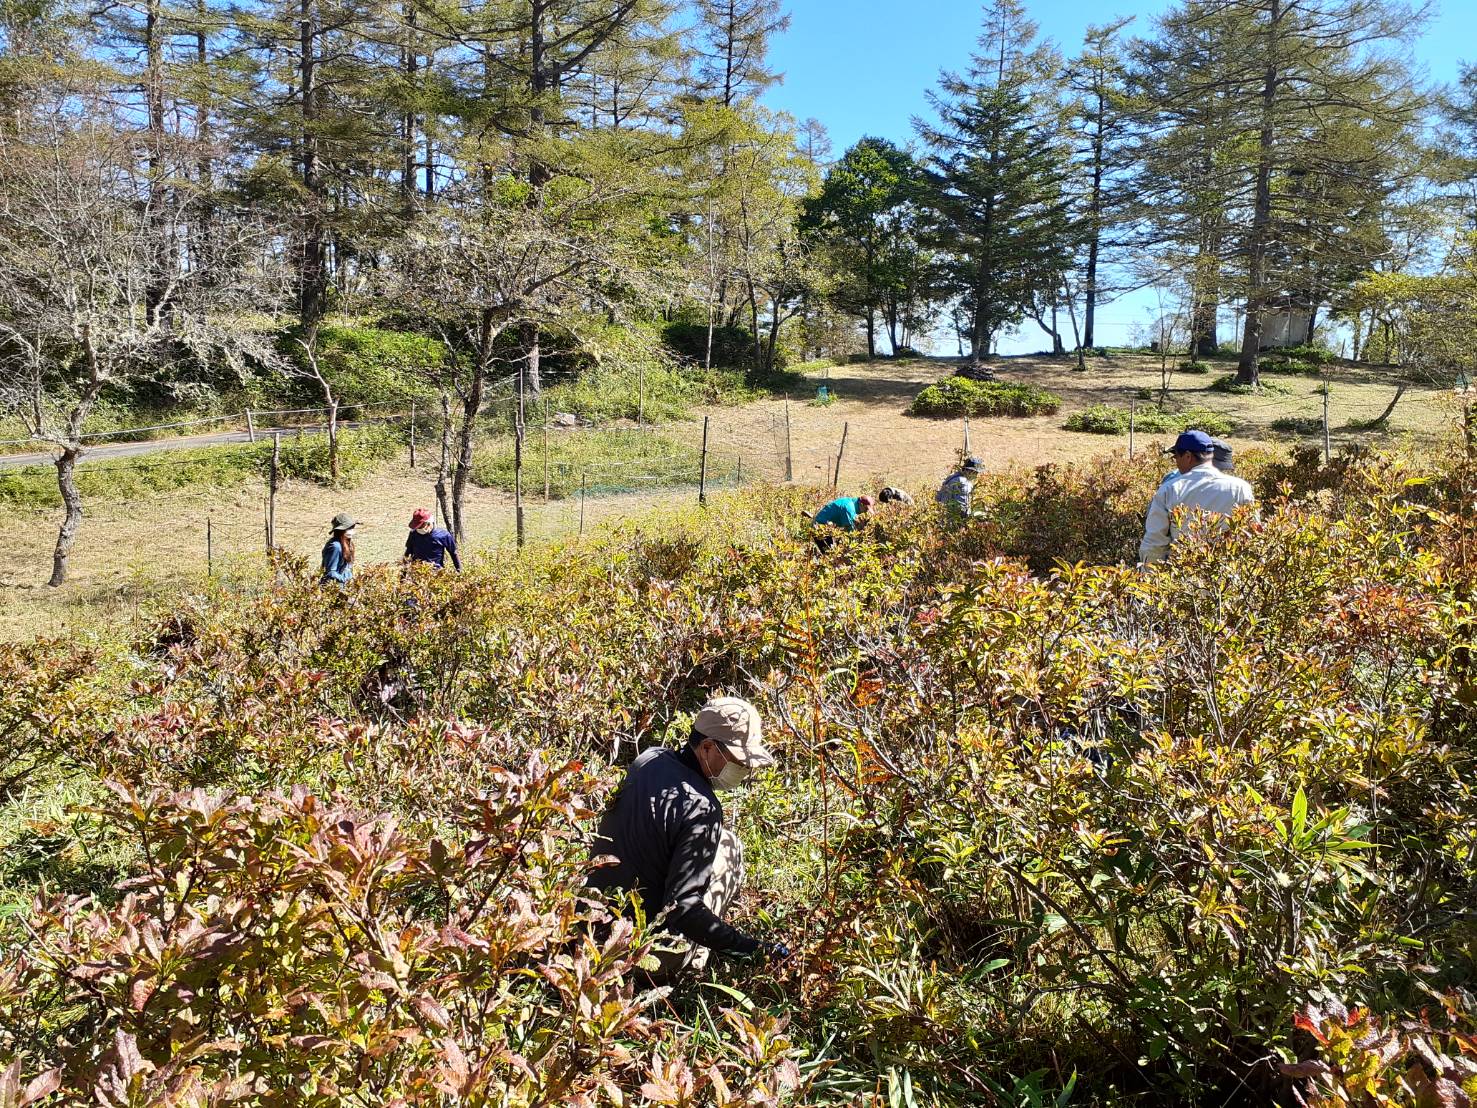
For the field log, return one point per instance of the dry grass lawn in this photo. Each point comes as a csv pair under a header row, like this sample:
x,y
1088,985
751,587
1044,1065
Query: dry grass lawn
x,y
127,554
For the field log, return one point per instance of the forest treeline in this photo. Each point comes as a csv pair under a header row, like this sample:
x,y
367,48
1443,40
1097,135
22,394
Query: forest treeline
x,y
191,189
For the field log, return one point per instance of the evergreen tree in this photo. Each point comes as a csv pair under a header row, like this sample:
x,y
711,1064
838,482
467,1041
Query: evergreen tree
x,y
996,176
867,213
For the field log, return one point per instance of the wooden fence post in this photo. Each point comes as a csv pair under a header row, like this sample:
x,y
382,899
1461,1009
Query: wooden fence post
x,y
250,427
840,453
1325,423
789,455
1132,415
740,479
546,449
518,482
583,477
209,548
272,491
412,434
967,450
702,473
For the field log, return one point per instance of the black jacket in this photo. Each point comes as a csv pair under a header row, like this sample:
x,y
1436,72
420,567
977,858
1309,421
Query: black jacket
x,y
664,824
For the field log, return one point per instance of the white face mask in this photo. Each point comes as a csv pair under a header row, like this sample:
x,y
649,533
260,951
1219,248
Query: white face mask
x,y
731,776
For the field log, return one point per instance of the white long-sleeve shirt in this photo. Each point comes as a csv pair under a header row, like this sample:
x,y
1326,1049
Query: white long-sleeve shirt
x,y
1203,489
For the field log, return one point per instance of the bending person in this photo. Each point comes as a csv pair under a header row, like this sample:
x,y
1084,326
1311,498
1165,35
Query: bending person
x,y
664,826
429,543
844,514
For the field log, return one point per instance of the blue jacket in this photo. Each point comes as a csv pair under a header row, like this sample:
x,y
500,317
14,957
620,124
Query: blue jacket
x,y
433,548
334,566
957,493
841,512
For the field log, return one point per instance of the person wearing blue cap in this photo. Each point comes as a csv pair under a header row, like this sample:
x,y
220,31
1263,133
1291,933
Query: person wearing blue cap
x,y
1197,487
1223,460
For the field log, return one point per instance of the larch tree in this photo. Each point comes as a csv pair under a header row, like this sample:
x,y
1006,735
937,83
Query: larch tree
x,y
732,43
1100,117
1319,67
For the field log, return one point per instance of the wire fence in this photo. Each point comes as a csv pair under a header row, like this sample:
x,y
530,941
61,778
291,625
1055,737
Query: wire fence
x,y
152,514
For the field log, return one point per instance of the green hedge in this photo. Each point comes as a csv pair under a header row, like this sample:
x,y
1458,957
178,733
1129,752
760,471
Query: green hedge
x,y
959,396
1227,383
1105,419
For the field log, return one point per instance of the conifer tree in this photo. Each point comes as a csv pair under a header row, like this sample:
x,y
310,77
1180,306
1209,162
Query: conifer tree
x,y
1099,121
996,175
732,43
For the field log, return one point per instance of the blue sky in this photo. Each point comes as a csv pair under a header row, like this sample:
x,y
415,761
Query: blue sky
x,y
862,67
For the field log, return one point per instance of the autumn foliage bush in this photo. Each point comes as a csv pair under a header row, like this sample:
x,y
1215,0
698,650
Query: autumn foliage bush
x,y
1044,826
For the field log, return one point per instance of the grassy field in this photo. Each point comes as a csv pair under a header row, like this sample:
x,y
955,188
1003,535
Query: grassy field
x,y
131,551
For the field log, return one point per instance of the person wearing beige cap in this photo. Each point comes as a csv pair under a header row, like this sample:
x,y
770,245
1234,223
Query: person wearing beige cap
x,y
664,828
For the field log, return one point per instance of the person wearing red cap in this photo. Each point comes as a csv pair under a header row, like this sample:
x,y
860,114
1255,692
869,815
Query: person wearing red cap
x,y
429,543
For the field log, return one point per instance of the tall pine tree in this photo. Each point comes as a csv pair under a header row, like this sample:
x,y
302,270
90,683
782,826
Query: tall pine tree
x,y
996,176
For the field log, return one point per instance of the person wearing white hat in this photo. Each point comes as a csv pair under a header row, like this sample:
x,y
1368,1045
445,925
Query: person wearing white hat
x,y
664,830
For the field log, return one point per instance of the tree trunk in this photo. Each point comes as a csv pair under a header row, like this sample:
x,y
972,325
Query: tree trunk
x,y
1256,272
1384,417
532,379
333,442
72,501
410,65
754,322
444,469
871,334
471,409
1205,293
202,225
157,289
774,337
312,262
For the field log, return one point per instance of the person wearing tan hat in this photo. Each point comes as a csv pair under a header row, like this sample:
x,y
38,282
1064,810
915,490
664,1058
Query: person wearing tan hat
x,y
664,828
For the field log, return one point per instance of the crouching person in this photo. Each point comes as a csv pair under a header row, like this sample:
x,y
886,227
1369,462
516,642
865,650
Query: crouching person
x,y
664,826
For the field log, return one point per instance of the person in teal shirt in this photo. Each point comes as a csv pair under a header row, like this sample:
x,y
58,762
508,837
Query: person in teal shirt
x,y
844,513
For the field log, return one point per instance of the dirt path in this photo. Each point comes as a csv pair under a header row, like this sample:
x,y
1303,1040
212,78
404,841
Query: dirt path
x,y
884,445
105,451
